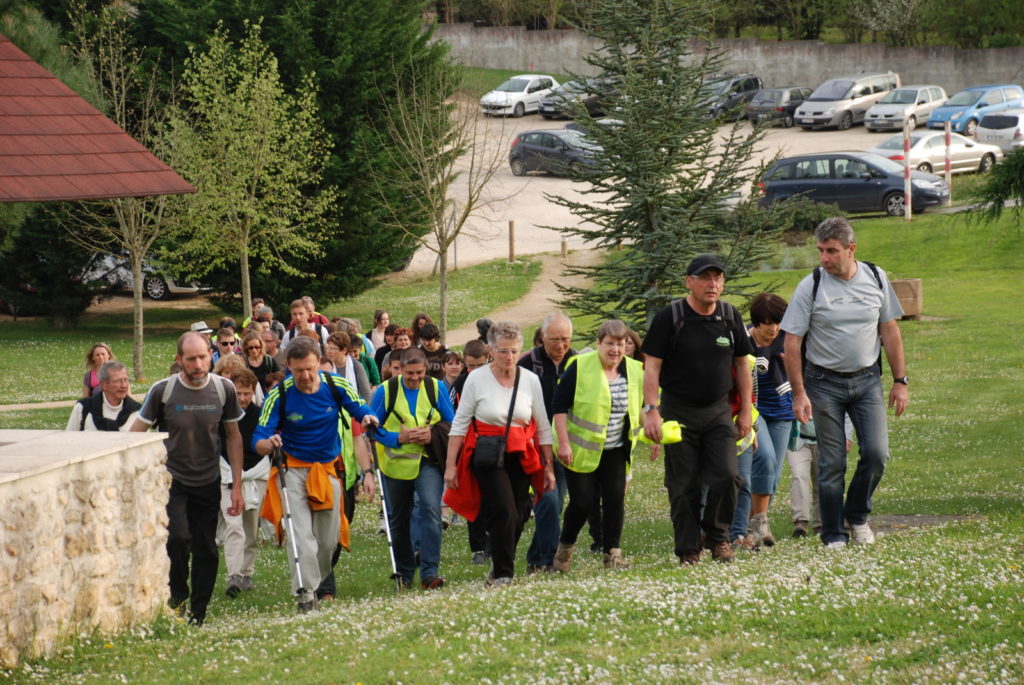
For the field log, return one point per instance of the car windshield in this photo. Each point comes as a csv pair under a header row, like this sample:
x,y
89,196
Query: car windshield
x,y
965,98
832,90
513,85
716,87
899,97
571,87
577,139
886,165
768,96
896,142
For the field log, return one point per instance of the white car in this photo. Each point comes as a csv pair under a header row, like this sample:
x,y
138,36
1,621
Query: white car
x,y
928,152
1005,129
518,95
907,103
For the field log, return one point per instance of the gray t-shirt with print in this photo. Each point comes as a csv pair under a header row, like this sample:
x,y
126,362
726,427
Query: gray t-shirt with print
x,y
842,326
191,417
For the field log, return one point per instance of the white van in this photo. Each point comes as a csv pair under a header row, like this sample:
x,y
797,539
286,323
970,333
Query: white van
x,y
842,102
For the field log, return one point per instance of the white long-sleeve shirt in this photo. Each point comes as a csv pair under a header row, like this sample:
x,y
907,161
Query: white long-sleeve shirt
x,y
484,398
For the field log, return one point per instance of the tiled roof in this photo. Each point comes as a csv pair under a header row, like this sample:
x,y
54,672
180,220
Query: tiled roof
x,y
56,146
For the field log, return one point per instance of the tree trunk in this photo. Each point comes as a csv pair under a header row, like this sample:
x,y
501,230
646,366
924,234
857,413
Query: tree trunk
x,y
443,288
137,317
246,287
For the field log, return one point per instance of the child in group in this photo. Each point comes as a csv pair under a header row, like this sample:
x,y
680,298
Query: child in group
x,y
240,532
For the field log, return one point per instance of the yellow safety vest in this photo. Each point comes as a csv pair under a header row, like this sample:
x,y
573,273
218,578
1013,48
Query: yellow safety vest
x,y
587,419
403,463
348,448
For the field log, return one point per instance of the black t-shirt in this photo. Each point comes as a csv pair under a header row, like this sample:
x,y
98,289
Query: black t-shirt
x,y
266,367
538,361
247,426
698,370
435,362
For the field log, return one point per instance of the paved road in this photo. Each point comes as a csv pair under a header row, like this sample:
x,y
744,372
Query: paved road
x,y
522,199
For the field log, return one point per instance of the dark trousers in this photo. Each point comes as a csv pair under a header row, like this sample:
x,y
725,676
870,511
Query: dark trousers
x,y
192,532
594,520
705,457
327,585
505,494
477,532
608,481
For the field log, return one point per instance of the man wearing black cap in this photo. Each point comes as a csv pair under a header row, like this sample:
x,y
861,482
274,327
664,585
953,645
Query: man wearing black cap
x,y
696,353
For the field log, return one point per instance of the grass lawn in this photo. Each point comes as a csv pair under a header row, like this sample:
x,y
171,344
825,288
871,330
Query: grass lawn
x,y
928,605
57,359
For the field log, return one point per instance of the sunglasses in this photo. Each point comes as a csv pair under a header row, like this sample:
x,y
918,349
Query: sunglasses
x,y
253,347
226,343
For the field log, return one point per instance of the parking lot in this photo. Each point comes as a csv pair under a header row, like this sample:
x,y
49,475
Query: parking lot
x,y
523,199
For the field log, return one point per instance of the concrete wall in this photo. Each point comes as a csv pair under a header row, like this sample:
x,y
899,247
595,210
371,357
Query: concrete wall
x,y
83,526
778,63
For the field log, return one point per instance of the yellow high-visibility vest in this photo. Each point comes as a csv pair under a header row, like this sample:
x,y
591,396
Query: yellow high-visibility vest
x,y
403,463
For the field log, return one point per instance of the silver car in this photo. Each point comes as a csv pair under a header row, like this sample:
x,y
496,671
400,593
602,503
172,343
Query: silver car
x,y
1005,129
908,103
928,152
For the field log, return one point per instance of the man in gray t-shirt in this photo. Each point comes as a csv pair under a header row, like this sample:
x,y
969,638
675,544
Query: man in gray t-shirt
x,y
846,311
190,407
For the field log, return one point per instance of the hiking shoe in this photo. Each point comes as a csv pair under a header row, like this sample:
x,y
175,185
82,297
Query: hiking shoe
x,y
196,620
177,605
800,529
307,603
760,532
722,552
690,559
861,534
613,559
743,543
432,583
234,586
835,544
480,558
563,558
494,583
247,583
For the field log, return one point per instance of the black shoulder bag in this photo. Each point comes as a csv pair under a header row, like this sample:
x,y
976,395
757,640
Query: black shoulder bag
x,y
489,453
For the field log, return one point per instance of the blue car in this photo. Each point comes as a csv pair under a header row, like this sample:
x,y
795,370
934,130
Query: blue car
x,y
965,109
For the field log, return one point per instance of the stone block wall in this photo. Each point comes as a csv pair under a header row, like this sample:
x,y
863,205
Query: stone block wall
x,y
83,526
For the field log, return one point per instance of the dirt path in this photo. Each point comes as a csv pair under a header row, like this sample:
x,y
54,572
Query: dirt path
x,y
529,310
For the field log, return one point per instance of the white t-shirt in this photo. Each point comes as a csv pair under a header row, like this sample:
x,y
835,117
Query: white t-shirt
x,y
484,398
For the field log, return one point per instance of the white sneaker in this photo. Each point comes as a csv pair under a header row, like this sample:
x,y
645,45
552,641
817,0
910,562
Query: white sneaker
x,y
861,534
836,544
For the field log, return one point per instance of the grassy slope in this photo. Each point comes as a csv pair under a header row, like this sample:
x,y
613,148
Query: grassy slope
x,y
928,605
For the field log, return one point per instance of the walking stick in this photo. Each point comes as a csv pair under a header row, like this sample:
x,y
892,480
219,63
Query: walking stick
x,y
282,469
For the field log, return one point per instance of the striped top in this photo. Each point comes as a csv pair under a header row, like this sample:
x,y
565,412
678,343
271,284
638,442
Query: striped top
x,y
617,421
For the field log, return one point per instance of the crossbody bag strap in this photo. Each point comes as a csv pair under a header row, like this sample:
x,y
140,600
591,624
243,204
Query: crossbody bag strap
x,y
512,404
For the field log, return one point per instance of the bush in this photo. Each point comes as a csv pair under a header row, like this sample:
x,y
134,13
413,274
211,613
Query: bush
x,y
1005,40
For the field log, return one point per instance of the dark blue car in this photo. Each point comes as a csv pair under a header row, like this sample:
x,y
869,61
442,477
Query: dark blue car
x,y
564,152
856,181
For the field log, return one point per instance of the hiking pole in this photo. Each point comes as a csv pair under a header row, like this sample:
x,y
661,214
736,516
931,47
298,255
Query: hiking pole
x,y
395,575
282,468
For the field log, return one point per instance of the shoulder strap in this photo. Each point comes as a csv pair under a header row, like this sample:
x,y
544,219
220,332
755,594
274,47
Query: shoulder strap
x,y
282,391
874,272
536,363
392,395
430,381
164,399
333,385
512,404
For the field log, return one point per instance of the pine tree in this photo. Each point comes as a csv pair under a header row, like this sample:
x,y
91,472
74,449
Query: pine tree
x,y
666,178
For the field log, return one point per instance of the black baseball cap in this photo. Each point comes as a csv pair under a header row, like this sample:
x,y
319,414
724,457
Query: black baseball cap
x,y
702,263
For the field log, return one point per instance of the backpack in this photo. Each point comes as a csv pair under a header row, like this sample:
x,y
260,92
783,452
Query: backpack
x,y
816,276
723,311
169,388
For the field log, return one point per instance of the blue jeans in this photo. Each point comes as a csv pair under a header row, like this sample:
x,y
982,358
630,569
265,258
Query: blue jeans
x,y
427,486
741,518
832,398
547,515
772,439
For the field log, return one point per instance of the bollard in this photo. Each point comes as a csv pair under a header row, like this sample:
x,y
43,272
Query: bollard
x,y
565,248
511,241
949,164
907,187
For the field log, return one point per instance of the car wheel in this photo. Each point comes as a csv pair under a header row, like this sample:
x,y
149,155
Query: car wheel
x,y
845,121
987,162
925,167
155,287
970,128
519,110
912,122
893,204
518,167
787,121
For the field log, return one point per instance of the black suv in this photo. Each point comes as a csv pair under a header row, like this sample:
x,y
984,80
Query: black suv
x,y
727,95
856,181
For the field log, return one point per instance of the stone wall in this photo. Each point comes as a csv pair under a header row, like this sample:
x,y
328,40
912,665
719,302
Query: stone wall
x,y
778,63
82,532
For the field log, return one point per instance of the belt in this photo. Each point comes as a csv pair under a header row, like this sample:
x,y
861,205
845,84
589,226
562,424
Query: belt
x,y
845,374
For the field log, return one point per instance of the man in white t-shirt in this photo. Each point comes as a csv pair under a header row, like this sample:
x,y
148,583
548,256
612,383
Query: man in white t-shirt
x,y
846,310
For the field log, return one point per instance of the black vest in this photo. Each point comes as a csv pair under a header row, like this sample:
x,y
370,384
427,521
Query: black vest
x,y
93,406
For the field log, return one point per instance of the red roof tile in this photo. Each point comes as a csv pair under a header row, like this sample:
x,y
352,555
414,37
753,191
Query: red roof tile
x,y
56,146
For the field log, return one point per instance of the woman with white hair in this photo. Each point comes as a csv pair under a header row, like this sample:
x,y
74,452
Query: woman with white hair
x,y
500,445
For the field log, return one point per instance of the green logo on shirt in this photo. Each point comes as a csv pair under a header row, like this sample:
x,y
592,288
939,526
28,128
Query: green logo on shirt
x,y
722,341
294,418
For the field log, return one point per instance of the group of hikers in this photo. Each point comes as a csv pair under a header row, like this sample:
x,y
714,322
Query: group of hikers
x,y
289,423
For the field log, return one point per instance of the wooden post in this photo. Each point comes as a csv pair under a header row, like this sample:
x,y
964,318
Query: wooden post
x,y
907,187
511,240
949,164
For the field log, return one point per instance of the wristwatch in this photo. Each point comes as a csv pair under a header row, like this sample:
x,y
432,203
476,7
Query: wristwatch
x,y
649,407
905,380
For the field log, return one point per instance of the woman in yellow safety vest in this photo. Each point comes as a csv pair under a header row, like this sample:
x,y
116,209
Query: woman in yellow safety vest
x,y
597,422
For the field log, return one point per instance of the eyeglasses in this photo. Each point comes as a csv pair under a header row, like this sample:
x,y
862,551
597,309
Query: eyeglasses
x,y
511,351
564,341
226,343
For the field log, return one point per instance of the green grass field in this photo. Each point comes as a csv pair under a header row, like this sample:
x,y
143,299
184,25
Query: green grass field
x,y
926,605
